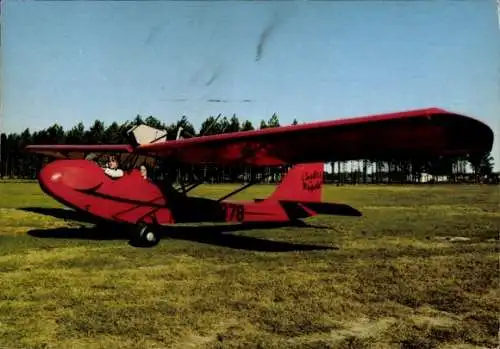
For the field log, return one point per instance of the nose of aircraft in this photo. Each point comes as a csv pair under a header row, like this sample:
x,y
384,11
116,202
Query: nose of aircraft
x,y
76,174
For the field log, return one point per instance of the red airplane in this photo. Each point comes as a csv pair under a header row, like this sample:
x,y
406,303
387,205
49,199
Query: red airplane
x,y
147,205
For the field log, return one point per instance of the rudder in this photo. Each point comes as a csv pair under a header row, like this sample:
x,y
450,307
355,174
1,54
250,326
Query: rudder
x,y
303,182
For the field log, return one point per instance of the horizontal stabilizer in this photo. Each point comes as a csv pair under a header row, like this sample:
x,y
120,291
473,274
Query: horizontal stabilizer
x,y
332,209
298,209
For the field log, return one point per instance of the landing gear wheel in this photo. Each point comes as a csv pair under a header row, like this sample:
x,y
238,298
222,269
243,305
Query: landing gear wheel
x,y
145,237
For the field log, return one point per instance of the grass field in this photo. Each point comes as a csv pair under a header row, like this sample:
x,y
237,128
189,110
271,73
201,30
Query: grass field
x,y
393,278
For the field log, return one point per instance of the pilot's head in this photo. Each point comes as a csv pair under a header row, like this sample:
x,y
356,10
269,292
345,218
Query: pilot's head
x,y
143,170
113,162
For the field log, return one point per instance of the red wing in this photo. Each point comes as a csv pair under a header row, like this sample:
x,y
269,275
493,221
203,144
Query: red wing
x,y
63,151
414,133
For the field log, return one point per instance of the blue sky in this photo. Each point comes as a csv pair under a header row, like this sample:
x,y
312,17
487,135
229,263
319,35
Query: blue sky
x,y
66,62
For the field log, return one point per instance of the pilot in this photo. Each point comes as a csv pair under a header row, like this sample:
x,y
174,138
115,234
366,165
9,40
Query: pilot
x,y
144,171
112,169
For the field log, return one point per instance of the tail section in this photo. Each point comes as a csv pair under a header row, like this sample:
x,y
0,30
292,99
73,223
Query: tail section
x,y
300,194
303,182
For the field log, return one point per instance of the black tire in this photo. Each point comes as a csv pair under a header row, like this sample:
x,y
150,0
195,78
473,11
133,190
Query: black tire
x,y
145,236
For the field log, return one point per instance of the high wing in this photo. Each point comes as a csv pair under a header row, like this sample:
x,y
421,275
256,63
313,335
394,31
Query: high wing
x,y
142,134
423,132
70,151
415,133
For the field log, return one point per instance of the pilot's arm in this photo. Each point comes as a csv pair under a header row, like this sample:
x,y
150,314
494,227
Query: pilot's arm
x,y
113,173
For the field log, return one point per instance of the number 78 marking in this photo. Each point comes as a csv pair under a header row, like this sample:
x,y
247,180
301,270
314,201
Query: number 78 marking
x,y
234,211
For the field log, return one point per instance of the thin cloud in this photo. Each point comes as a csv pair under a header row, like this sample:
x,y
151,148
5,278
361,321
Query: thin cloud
x,y
216,73
213,100
153,33
269,29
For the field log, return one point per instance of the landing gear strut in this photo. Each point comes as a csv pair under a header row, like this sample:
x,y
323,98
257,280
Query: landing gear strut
x,y
145,236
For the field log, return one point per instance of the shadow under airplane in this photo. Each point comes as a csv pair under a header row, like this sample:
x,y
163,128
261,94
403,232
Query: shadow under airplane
x,y
208,234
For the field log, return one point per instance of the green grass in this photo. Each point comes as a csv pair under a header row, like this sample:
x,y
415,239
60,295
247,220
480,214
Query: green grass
x,y
391,279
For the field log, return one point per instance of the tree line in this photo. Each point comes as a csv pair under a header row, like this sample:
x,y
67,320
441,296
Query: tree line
x,y
17,164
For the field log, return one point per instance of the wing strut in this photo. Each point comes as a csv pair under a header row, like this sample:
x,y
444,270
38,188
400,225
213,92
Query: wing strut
x,y
240,189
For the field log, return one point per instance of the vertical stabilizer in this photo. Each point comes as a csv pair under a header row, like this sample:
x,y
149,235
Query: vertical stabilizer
x,y
303,182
